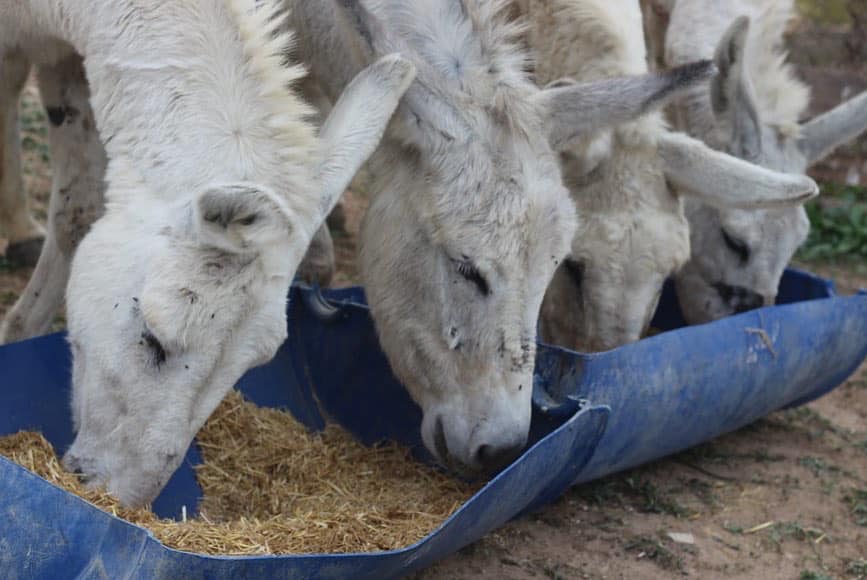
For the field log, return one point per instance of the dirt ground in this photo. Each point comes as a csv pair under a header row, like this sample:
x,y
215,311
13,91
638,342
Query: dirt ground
x,y
783,498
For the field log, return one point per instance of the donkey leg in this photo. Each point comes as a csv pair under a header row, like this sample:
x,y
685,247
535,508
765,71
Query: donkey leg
x,y
17,225
77,196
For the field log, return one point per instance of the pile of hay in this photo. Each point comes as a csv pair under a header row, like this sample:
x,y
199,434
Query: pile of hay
x,y
272,487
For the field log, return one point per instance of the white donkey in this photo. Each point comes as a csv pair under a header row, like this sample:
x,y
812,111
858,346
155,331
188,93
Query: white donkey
x,y
216,184
627,182
751,110
470,217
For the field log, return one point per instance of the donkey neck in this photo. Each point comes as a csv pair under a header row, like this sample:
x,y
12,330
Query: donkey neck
x,y
174,94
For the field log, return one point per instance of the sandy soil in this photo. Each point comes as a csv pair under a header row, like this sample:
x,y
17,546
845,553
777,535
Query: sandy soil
x,y
783,498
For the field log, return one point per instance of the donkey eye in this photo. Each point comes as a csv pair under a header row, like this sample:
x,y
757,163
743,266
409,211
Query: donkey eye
x,y
249,220
469,272
738,247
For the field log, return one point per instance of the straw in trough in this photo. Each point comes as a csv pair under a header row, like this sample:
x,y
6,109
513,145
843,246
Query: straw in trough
x,y
272,487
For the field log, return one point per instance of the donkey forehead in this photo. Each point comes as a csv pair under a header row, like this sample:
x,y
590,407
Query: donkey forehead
x,y
512,221
478,173
753,226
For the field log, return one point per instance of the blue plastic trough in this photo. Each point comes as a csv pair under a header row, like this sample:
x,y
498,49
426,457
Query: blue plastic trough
x,y
649,399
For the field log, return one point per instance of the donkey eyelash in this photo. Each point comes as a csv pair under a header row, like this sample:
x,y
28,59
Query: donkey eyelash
x,y
738,247
470,273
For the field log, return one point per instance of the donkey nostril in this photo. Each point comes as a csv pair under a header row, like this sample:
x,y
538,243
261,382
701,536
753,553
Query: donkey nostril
x,y
749,301
492,459
738,298
726,292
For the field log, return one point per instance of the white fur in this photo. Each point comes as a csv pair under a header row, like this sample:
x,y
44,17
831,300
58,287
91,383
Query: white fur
x,y
216,184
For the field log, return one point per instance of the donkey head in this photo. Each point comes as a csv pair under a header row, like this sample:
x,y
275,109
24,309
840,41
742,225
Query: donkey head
x,y
171,300
738,255
634,233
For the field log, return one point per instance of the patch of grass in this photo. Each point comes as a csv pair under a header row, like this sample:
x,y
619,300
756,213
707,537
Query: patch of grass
x,y
553,520
856,499
633,489
857,568
838,231
8,297
610,523
600,493
782,531
655,501
711,453
844,191
816,424
812,575
559,571
733,529
652,549
814,464
704,491
818,466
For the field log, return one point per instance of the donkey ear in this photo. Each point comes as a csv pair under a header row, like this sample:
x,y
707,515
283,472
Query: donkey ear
x,y
840,125
731,93
221,213
725,181
574,111
355,126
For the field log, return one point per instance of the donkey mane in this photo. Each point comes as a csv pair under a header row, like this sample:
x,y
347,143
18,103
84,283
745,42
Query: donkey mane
x,y
780,96
602,42
473,47
266,40
590,40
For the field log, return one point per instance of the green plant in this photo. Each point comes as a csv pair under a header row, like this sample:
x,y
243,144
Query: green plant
x,y
857,501
811,575
8,297
857,568
650,548
838,229
654,500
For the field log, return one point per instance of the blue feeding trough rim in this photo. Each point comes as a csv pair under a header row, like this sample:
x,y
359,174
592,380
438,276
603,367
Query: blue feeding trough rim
x,y
649,399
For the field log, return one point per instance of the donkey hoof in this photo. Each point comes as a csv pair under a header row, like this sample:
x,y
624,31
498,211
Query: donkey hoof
x,y
24,254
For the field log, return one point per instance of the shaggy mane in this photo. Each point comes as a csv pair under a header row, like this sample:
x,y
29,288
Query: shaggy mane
x,y
472,46
266,40
781,97
591,40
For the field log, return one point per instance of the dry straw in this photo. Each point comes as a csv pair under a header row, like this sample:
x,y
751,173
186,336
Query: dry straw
x,y
272,487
